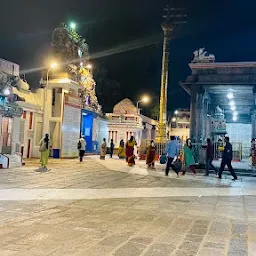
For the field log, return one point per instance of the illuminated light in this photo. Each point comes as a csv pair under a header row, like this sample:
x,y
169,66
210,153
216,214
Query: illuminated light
x,y
81,64
54,65
230,95
64,80
176,112
233,108
235,113
89,66
7,91
73,25
234,118
174,119
145,99
232,103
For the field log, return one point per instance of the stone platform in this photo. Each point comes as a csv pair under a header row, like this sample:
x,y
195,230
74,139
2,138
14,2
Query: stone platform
x,y
106,208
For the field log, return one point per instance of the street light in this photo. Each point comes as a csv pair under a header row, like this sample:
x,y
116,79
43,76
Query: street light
x,y
73,25
53,65
145,99
176,112
174,119
232,103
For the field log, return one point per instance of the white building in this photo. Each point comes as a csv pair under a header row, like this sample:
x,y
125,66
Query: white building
x,y
125,122
180,124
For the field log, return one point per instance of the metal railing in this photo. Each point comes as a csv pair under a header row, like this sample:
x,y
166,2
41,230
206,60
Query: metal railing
x,y
199,150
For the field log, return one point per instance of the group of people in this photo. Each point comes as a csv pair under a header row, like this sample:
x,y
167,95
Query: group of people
x,y
172,155
173,152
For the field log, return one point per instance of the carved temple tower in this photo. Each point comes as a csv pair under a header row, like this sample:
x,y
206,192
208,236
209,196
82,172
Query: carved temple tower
x,y
171,18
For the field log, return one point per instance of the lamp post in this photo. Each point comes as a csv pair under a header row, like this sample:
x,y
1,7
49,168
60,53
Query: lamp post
x,y
145,99
45,125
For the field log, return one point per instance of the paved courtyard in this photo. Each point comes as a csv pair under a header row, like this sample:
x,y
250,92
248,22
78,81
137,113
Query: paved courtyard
x,y
106,208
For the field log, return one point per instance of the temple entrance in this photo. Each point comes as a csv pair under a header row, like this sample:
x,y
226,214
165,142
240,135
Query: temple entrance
x,y
223,102
6,134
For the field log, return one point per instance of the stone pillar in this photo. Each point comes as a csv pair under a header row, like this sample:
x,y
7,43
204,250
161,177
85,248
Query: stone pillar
x,y
16,135
204,118
196,114
253,115
1,142
193,114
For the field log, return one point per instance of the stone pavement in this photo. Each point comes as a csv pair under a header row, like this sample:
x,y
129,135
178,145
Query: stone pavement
x,y
105,208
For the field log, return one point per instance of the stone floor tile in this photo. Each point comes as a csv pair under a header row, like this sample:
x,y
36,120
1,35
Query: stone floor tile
x,y
190,246
8,253
214,245
129,249
185,253
211,252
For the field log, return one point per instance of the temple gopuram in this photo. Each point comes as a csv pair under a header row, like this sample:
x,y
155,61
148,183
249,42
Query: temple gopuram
x,y
71,85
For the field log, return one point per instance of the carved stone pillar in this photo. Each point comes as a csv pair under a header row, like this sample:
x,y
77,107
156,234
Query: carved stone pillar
x,y
196,114
204,119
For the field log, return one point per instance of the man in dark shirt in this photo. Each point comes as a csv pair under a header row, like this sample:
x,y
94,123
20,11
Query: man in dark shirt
x,y
209,158
227,157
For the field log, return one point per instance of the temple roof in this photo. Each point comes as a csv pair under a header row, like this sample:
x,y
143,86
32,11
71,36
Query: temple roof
x,y
125,106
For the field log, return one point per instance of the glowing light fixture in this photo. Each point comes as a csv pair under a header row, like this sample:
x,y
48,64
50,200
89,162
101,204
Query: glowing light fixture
x,y
89,66
54,65
7,91
145,99
174,119
235,113
176,112
73,25
234,118
230,95
233,108
232,103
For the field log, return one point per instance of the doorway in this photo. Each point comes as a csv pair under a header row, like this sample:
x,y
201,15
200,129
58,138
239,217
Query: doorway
x,y
86,130
6,134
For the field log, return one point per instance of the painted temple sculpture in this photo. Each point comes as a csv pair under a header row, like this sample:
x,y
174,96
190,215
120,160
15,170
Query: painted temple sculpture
x,y
70,49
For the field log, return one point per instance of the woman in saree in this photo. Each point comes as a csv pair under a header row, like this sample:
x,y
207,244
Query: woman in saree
x,y
121,151
151,153
44,148
188,158
103,149
130,157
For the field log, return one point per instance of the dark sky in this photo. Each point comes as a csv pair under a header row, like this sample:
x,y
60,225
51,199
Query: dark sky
x,y
226,28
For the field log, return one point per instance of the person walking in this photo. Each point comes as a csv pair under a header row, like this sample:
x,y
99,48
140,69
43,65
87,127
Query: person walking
x,y
130,157
209,158
81,146
44,148
188,157
151,153
112,146
121,150
227,156
172,152
103,150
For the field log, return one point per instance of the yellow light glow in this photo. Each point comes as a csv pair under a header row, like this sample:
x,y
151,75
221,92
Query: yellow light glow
x,y
145,99
89,66
64,80
54,65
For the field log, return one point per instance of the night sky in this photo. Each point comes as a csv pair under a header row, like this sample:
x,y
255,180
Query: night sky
x,y
226,28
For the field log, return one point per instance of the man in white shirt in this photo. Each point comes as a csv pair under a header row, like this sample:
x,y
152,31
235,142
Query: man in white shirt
x,y
81,147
